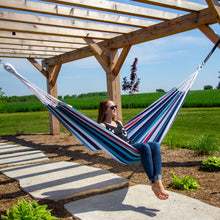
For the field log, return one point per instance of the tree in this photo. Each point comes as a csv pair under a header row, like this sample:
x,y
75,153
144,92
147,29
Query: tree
x,y
133,85
218,86
1,95
160,90
208,87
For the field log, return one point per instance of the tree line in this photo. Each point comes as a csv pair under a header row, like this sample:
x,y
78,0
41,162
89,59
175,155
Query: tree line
x,y
28,98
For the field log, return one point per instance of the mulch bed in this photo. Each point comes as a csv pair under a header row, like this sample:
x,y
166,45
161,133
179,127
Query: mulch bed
x,y
65,147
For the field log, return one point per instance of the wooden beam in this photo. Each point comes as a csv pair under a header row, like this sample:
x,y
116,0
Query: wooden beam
x,y
99,53
116,7
40,37
113,84
174,4
71,12
38,66
54,72
41,29
54,123
167,28
214,5
30,53
178,25
208,32
58,22
33,48
41,44
111,64
118,64
10,55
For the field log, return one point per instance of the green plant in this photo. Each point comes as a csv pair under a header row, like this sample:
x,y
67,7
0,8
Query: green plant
x,y
185,183
205,145
212,164
172,141
28,210
1,95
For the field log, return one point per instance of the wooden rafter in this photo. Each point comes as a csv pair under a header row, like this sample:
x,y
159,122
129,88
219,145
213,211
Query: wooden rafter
x,y
179,5
27,52
68,12
58,22
41,29
40,37
181,24
14,55
42,43
33,48
121,8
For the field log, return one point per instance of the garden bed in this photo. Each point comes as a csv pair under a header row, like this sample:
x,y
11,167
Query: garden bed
x,y
64,147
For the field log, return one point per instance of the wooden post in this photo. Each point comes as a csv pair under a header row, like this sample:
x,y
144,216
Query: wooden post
x,y
53,72
111,63
114,91
54,123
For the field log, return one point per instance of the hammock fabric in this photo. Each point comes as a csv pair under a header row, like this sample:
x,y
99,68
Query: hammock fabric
x,y
152,124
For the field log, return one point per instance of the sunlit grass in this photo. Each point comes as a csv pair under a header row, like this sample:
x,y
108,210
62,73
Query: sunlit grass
x,y
190,124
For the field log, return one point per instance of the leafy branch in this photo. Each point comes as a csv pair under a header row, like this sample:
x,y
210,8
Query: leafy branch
x,y
133,85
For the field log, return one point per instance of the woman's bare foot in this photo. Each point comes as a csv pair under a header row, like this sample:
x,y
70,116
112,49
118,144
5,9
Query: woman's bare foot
x,y
159,190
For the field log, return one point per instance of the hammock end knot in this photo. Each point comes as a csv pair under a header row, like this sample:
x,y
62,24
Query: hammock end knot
x,y
9,68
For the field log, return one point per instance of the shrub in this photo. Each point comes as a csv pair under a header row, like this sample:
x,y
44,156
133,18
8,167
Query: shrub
x,y
160,90
28,210
185,183
205,145
212,164
207,87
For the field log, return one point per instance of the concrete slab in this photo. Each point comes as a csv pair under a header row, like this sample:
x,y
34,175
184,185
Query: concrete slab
x,y
10,148
22,158
59,180
139,203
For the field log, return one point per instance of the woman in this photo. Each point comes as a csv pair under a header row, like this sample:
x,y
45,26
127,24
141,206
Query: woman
x,y
150,152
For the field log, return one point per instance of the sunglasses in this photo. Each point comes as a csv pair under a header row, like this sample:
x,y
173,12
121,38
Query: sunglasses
x,y
113,107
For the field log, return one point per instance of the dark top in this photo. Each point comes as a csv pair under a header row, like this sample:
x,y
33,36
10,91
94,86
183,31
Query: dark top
x,y
119,131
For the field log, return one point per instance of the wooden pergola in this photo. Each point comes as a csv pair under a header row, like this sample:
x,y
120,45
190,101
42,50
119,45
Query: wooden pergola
x,y
60,31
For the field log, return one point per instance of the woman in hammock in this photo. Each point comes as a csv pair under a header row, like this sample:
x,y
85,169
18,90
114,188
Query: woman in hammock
x,y
150,152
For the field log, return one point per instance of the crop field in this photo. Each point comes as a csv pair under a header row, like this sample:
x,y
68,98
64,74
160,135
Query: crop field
x,y
201,98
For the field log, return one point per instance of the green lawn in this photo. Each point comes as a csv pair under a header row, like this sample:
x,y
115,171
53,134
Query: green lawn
x,y
189,124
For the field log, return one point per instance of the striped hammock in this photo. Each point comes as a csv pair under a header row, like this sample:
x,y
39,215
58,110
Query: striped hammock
x,y
152,124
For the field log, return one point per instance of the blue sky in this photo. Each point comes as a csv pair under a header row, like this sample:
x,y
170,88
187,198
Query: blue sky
x,y
162,64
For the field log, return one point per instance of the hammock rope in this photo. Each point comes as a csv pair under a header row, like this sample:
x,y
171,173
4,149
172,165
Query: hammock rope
x,y
152,124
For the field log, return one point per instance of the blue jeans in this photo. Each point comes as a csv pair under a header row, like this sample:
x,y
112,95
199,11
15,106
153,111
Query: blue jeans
x,y
150,159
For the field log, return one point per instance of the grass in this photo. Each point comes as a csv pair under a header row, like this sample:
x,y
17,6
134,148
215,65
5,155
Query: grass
x,y
24,123
192,123
188,126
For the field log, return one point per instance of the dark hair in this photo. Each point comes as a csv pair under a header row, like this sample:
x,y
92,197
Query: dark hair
x,y
103,105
